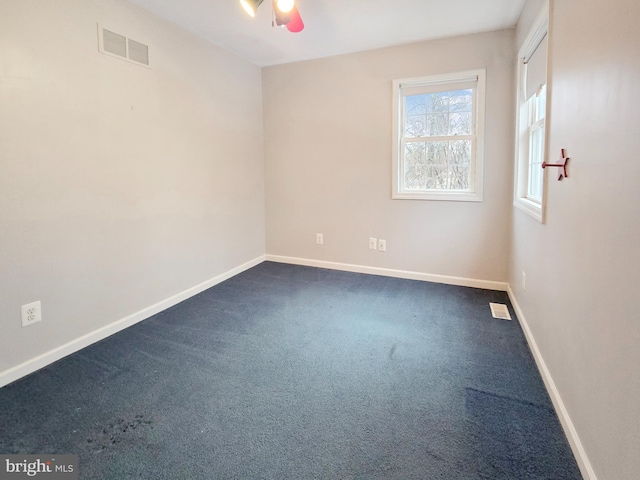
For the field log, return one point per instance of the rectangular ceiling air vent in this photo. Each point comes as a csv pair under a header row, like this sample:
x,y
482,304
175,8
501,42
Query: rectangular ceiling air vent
x,y
500,310
114,44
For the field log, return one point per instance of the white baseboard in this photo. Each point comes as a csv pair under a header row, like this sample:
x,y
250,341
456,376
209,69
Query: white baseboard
x,y
572,435
56,354
388,272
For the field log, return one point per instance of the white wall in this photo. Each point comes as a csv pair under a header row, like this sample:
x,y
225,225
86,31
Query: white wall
x,y
328,165
582,297
119,185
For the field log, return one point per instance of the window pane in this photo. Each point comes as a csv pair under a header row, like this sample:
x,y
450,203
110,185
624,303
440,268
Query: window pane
x,y
414,153
459,177
460,152
448,178
460,123
540,104
415,165
535,183
415,177
536,152
442,165
415,126
461,100
415,104
447,113
437,153
438,178
438,102
437,124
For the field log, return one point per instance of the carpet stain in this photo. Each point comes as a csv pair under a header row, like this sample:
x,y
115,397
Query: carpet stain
x,y
392,351
472,392
515,438
117,431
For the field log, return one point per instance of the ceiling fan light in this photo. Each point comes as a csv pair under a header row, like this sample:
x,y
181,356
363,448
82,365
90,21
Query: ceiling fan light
x,y
281,18
250,6
295,24
285,6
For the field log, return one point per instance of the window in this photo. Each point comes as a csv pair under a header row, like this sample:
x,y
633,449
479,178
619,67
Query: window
x,y
438,137
536,112
531,119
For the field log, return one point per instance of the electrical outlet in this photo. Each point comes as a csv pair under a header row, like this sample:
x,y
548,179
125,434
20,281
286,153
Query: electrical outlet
x,y
31,313
319,238
382,245
373,243
524,281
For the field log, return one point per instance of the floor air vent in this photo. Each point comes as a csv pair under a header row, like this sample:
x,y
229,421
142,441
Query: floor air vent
x,y
117,45
500,310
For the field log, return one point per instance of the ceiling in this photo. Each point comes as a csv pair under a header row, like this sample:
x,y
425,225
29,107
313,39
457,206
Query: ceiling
x,y
333,27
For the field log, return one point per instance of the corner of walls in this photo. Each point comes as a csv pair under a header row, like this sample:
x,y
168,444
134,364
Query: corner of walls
x,y
572,435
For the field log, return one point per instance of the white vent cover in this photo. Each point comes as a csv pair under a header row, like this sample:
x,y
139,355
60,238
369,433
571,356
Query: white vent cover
x,y
114,44
138,52
500,310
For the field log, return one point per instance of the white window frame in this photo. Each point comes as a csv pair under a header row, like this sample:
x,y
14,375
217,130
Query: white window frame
x,y
451,81
534,207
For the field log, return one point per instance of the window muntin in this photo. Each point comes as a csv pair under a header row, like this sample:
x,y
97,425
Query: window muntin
x,y
438,137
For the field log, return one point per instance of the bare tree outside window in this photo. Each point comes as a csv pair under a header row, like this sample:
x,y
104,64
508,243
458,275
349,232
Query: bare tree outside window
x,y
431,163
437,136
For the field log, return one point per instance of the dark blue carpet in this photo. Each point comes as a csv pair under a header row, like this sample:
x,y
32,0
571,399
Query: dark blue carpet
x,y
289,372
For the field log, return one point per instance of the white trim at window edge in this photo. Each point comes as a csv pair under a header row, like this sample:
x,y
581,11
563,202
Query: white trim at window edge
x,y
539,28
478,76
532,208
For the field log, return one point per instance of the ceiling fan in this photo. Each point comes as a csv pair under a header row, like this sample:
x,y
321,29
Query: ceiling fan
x,y
285,13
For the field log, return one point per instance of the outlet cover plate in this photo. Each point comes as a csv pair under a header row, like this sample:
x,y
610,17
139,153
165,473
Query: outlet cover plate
x,y
31,313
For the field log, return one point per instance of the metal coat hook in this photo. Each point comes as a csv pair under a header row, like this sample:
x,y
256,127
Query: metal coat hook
x,y
562,165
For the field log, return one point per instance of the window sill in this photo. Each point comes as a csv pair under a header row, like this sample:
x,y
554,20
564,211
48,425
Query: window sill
x,y
439,196
532,209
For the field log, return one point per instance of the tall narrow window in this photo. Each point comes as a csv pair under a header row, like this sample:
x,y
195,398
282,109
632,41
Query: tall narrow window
x,y
438,137
536,110
532,119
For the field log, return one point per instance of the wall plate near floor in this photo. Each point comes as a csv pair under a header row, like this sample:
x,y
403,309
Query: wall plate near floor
x,y
500,310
